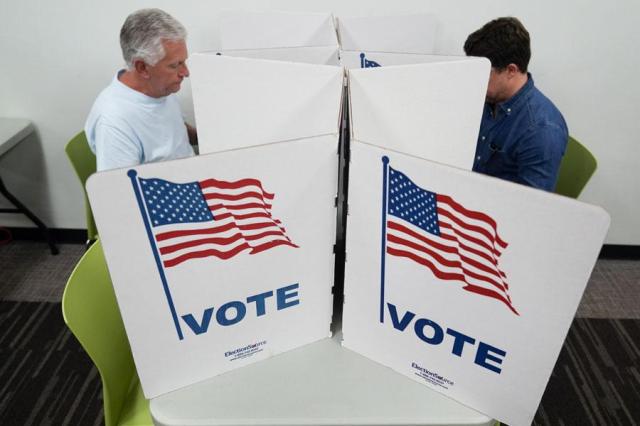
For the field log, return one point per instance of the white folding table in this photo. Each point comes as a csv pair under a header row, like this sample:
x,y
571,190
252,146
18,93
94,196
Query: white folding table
x,y
12,132
318,384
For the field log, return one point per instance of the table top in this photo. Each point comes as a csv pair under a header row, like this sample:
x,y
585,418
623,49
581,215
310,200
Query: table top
x,y
12,131
321,384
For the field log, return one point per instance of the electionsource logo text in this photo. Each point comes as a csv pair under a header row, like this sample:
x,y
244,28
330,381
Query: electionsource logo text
x,y
245,351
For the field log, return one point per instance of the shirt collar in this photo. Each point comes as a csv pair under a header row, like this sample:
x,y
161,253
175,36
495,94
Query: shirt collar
x,y
519,98
132,93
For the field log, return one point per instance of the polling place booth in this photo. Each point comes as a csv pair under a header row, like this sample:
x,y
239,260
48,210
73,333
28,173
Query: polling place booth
x,y
459,288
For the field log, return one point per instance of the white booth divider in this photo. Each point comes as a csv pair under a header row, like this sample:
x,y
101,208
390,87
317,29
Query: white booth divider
x,y
243,102
220,260
463,282
430,110
319,55
266,30
393,34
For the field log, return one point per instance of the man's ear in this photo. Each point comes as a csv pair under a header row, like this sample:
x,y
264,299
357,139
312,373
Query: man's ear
x,y
512,69
141,68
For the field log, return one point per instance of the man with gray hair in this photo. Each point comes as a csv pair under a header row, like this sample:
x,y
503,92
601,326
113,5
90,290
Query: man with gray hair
x,y
137,118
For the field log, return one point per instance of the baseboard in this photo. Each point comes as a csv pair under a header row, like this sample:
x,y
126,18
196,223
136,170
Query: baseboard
x,y
60,235
615,251
64,235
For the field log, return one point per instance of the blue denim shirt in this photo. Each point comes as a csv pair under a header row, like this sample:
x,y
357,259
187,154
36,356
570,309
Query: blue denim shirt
x,y
524,142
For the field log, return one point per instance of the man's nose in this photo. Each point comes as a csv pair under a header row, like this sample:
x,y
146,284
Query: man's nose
x,y
184,71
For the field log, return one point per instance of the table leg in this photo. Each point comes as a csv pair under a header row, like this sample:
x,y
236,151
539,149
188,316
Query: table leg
x,y
20,208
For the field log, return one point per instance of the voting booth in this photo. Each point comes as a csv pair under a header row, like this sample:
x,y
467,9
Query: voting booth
x,y
463,283
445,285
220,260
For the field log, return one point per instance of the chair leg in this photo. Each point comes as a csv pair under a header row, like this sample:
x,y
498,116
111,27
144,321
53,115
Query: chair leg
x,y
21,208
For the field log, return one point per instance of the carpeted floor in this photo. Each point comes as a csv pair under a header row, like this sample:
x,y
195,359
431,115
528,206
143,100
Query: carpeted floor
x,y
47,379
45,376
596,380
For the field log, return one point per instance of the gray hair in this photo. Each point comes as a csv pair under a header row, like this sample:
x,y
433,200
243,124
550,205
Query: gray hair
x,y
144,31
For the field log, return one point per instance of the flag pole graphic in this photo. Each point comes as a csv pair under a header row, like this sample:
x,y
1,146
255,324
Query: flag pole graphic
x,y
383,242
134,181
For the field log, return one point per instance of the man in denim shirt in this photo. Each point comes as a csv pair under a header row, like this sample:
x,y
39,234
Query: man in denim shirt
x,y
523,136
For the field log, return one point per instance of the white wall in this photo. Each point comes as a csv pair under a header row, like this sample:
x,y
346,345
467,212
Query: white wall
x,y
56,56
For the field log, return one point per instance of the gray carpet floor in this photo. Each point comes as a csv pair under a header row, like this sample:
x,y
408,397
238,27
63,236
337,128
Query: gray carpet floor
x,y
47,379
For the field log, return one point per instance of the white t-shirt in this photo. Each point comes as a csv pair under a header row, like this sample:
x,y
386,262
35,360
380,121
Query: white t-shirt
x,y
126,128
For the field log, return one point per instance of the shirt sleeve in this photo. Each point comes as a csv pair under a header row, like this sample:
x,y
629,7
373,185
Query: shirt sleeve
x,y
539,156
115,149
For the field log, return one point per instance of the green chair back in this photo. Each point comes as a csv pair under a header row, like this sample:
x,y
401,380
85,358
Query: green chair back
x,y
577,167
91,312
83,161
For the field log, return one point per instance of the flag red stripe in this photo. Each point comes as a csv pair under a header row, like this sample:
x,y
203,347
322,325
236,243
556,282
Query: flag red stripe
x,y
475,251
445,262
206,253
240,206
483,267
442,260
265,234
271,244
232,197
480,253
451,277
225,215
214,183
162,236
450,249
437,272
471,228
484,278
258,225
401,228
472,214
490,293
218,240
223,241
467,237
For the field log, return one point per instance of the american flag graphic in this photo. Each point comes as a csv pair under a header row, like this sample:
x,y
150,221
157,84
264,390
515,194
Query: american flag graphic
x,y
437,232
365,63
210,218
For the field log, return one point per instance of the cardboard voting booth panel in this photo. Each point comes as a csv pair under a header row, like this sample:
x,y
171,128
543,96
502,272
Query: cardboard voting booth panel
x,y
320,55
265,30
220,260
463,282
429,110
400,34
241,102
374,59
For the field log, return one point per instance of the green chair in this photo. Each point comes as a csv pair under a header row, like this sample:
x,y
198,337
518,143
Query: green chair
x,y
90,311
83,161
577,167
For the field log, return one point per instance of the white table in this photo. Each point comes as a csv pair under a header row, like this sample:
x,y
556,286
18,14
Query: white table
x,y
318,384
12,132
